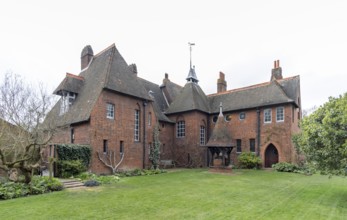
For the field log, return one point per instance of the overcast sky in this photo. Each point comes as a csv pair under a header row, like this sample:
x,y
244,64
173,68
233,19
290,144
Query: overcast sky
x,y
41,40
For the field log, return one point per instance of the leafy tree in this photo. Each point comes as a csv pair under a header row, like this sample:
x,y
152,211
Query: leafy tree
x,y
323,137
23,136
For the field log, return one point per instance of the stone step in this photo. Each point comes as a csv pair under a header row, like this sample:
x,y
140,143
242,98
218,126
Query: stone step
x,y
72,184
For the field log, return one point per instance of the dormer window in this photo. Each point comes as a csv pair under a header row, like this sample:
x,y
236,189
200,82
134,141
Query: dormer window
x,y
66,101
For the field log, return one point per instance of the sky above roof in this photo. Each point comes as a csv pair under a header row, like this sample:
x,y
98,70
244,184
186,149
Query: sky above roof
x,y
42,40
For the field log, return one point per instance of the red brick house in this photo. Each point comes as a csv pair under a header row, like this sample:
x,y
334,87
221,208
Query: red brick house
x,y
107,106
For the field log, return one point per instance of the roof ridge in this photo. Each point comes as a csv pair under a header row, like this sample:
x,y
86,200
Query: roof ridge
x,y
147,81
107,48
109,66
250,87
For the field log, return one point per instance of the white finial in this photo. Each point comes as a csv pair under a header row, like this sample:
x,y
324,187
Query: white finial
x,y
221,109
190,48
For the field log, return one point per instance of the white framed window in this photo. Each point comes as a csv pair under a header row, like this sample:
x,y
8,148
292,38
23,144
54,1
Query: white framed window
x,y
181,129
66,101
242,116
280,114
267,115
137,126
110,110
202,135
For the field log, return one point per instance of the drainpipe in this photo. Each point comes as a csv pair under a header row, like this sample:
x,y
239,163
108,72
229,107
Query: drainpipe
x,y
144,135
258,132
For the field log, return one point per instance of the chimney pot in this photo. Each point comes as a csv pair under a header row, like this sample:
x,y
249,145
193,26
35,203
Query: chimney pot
x,y
86,56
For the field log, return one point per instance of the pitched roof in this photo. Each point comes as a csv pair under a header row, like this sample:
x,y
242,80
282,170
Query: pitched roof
x,y
107,70
264,94
220,136
71,83
190,98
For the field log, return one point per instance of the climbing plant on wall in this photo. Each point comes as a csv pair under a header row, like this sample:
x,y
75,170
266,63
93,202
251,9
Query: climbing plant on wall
x,y
74,152
154,155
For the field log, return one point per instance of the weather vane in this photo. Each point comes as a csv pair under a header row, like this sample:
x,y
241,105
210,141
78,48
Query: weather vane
x,y
190,49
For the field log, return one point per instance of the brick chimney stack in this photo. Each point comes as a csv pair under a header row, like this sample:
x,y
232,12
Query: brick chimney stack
x,y
86,56
276,72
133,68
221,83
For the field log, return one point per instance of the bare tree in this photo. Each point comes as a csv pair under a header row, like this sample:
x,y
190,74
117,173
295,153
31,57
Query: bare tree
x,y
23,135
109,159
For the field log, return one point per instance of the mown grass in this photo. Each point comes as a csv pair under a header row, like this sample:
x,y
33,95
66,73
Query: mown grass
x,y
193,194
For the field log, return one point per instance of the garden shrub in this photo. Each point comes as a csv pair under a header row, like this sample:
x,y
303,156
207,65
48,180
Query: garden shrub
x,y
285,167
91,183
249,160
288,167
102,179
10,190
38,185
69,168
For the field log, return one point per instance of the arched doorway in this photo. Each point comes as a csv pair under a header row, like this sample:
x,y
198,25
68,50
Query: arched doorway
x,y
271,155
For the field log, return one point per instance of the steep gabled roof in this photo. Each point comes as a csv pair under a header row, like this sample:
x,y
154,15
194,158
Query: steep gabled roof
x,y
121,79
107,70
220,135
190,98
291,87
264,94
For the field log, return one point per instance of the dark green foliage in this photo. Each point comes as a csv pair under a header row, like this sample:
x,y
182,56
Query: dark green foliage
x,y
69,168
73,159
38,185
91,183
102,179
11,190
248,160
74,152
285,167
292,168
323,137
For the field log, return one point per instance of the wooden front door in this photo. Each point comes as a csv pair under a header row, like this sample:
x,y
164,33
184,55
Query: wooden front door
x,y
271,155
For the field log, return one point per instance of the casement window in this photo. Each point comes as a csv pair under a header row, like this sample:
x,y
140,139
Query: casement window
x,y
242,116
66,101
180,129
202,135
105,147
252,145
137,126
110,111
280,114
267,115
238,146
72,135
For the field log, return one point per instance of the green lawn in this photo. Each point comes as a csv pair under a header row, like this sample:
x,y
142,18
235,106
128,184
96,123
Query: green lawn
x,y
193,194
